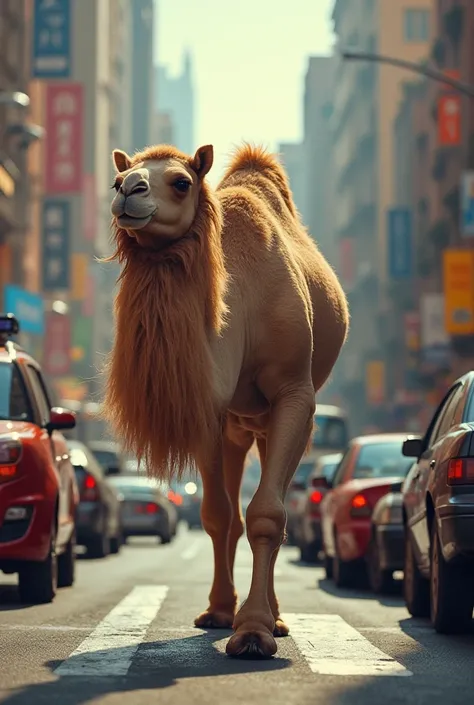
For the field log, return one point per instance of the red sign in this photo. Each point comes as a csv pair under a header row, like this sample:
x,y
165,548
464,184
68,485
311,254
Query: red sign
x,y
449,120
57,345
64,138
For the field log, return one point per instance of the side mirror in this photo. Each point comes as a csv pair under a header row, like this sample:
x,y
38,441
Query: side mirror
x,y
112,470
319,482
412,447
61,419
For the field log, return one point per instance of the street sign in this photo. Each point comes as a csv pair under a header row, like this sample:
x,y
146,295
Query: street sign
x,y
449,120
64,138
467,204
56,244
51,46
400,255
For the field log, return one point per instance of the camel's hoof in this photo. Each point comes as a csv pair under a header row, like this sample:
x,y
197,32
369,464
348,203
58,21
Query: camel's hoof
x,y
281,629
251,644
214,620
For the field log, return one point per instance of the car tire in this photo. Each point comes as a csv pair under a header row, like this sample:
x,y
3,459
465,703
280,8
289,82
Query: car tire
x,y
67,564
165,538
328,566
416,589
98,547
309,553
381,581
343,571
451,592
116,542
38,580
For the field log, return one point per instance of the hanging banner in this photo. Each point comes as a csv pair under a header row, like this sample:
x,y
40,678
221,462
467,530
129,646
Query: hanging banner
x,y
375,382
449,120
399,227
51,50
56,241
64,138
458,279
57,344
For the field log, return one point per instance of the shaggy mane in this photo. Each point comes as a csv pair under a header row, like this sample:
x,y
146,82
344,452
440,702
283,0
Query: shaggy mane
x,y
159,387
249,158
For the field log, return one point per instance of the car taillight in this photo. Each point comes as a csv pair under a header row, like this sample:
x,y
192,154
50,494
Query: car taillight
x,y
149,508
90,491
11,450
360,507
461,471
175,498
316,497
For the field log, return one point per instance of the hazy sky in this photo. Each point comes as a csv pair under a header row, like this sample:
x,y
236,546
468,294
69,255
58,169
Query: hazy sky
x,y
249,64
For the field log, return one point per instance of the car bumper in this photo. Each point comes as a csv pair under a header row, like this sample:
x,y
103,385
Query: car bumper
x,y
89,521
456,525
353,540
26,539
390,543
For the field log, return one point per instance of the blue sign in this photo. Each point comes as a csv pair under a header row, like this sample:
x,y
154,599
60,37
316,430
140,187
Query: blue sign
x,y
51,51
467,204
400,254
27,307
56,244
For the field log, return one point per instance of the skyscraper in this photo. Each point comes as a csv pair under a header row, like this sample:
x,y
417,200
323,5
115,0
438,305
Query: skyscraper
x,y
142,72
175,96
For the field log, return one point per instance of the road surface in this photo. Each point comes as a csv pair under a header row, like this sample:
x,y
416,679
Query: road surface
x,y
123,635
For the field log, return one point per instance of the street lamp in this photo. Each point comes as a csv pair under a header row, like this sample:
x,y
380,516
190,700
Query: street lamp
x,y
14,99
436,75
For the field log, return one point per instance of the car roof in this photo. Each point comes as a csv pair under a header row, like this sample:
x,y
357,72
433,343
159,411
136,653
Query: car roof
x,y
330,410
379,438
12,351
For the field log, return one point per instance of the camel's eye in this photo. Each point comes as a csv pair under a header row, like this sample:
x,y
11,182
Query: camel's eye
x,y
182,185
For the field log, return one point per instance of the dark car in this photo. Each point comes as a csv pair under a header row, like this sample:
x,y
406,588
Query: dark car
x,y
99,526
296,496
385,554
438,514
38,490
307,521
109,455
146,509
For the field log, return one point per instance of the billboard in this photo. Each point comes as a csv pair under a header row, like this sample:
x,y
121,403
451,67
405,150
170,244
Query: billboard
x,y
458,279
64,138
56,244
51,45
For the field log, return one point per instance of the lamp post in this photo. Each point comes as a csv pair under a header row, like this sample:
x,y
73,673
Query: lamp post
x,y
427,71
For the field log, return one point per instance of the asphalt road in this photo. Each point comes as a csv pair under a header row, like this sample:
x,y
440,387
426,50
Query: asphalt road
x,y
124,635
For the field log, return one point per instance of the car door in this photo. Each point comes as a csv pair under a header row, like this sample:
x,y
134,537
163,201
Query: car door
x,y
425,468
332,499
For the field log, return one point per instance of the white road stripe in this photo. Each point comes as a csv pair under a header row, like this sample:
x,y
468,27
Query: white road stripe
x,y
109,650
332,647
191,551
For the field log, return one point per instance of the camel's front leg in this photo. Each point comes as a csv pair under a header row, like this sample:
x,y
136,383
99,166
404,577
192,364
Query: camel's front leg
x,y
289,429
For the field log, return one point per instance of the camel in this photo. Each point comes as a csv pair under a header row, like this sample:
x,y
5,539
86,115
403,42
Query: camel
x,y
228,322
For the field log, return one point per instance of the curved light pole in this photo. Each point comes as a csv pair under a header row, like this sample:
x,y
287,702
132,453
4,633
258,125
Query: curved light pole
x,y
436,75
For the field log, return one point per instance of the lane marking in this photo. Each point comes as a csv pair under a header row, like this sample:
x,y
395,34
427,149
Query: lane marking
x,y
332,647
43,628
191,551
110,648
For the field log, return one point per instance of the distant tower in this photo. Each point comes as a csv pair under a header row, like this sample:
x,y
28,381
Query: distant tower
x,y
175,96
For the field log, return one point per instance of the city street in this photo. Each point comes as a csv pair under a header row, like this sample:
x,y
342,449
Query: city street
x,y
124,634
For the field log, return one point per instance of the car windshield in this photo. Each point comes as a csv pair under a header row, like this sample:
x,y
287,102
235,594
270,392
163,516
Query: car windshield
x,y
328,470
381,460
106,458
330,432
303,472
14,404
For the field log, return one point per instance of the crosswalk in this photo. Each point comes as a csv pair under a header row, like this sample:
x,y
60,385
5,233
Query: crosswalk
x,y
325,642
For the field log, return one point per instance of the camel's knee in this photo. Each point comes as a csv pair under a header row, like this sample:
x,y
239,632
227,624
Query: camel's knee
x,y
216,517
266,522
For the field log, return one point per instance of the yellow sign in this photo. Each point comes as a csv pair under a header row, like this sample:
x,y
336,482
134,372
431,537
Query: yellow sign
x,y
458,276
375,381
79,276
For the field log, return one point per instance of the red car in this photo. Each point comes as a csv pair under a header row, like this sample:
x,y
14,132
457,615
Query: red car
x,y
38,490
367,471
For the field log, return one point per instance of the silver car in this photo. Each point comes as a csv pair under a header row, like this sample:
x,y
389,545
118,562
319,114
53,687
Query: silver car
x,y
145,508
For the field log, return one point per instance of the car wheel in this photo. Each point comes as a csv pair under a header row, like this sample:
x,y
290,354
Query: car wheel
x,y
98,547
328,566
451,592
380,581
309,553
415,587
116,542
165,538
343,571
38,580
67,564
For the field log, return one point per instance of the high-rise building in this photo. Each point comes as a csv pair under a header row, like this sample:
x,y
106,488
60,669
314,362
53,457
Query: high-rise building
x,y
292,158
142,93
365,105
175,96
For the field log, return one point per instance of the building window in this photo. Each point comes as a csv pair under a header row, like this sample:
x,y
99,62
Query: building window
x,y
417,25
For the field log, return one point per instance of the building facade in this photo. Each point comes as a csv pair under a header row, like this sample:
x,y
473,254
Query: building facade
x,y
175,96
292,158
143,84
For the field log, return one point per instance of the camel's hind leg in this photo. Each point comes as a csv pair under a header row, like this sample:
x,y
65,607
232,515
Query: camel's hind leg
x,y
222,520
289,428
281,628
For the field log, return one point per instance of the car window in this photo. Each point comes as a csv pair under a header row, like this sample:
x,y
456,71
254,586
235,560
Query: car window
x,y
328,470
330,432
303,472
342,467
445,419
14,403
381,460
42,402
106,458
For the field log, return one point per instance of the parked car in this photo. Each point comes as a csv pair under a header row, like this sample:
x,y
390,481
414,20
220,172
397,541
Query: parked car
x,y
307,522
385,554
191,507
295,497
99,526
109,455
38,490
438,514
146,509
371,464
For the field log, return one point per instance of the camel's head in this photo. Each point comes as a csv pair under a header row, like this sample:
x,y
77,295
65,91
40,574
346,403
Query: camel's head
x,y
158,193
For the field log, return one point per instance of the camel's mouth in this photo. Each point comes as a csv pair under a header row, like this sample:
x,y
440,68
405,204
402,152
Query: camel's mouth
x,y
129,222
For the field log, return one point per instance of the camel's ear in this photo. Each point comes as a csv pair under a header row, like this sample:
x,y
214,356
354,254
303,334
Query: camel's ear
x,y
203,159
121,160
